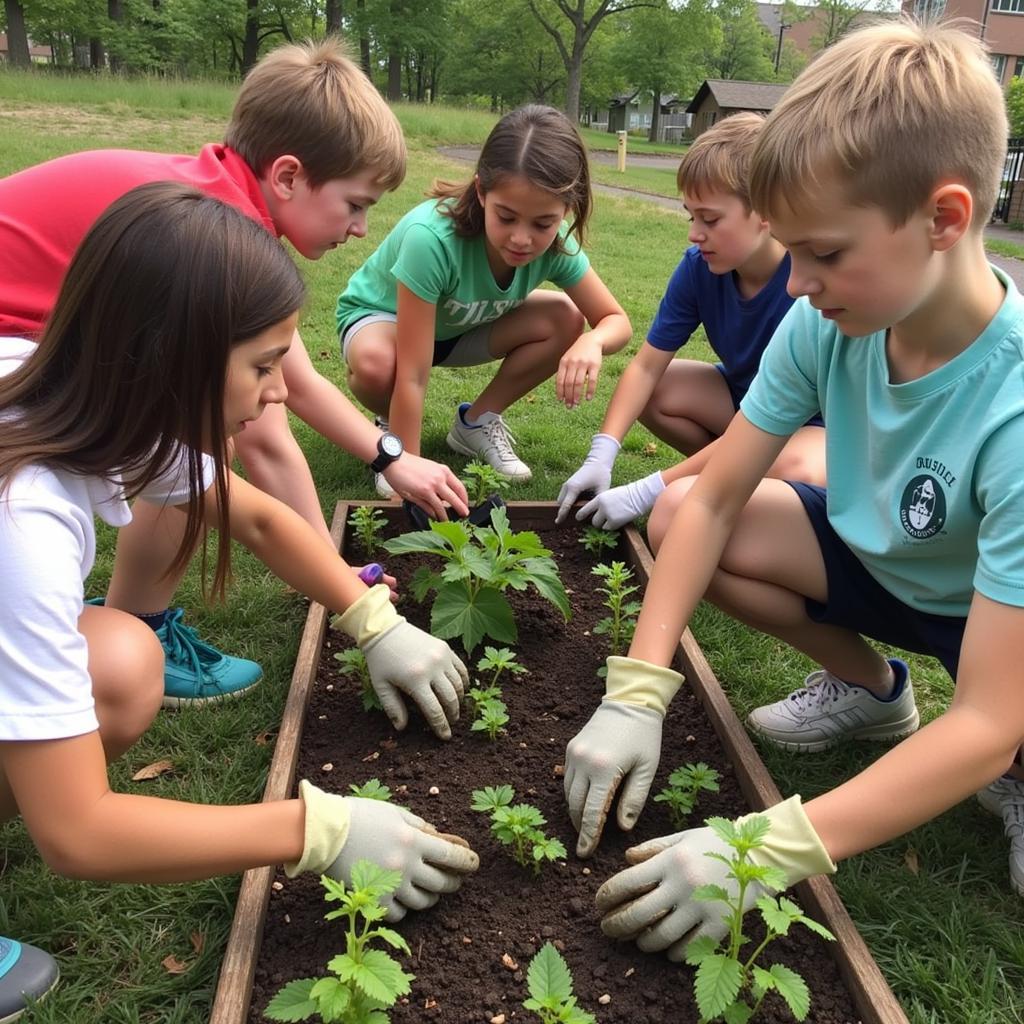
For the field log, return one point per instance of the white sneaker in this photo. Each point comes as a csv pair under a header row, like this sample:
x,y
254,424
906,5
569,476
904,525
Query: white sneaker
x,y
490,440
826,711
1005,798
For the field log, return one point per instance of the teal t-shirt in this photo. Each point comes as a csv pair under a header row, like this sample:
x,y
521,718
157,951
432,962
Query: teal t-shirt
x,y
424,253
925,478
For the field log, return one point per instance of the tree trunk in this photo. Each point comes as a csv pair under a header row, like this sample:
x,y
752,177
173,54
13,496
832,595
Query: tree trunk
x,y
17,36
575,80
394,53
333,16
364,39
655,115
251,43
115,12
97,58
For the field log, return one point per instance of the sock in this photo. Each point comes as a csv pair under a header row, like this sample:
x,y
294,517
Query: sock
x,y
899,678
463,409
152,619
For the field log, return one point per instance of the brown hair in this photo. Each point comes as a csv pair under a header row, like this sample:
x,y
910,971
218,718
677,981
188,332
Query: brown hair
x,y
892,110
720,158
534,142
311,101
132,362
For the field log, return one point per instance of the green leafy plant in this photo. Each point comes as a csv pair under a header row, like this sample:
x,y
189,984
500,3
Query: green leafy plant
x,y
367,524
353,663
498,660
621,624
684,785
479,695
366,981
371,789
480,563
518,826
482,480
728,983
597,541
491,717
549,981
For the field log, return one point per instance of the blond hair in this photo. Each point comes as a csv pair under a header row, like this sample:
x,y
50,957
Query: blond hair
x,y
309,100
892,110
720,158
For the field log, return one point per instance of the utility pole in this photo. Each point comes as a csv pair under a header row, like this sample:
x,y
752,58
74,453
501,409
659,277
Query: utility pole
x,y
778,49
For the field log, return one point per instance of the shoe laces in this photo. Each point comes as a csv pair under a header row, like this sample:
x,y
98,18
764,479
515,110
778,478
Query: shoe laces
x,y
182,646
1011,801
501,437
822,688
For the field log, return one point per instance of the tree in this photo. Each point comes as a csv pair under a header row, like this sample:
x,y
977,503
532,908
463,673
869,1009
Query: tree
x,y
17,35
577,34
837,17
1015,106
746,49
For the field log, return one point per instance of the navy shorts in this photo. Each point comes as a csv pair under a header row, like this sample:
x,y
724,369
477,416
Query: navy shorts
x,y
737,393
857,601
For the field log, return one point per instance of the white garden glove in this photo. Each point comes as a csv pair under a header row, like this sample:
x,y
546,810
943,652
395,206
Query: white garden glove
x,y
620,505
342,830
652,901
622,740
403,659
594,475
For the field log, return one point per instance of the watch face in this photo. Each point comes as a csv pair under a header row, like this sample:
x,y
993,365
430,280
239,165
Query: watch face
x,y
391,445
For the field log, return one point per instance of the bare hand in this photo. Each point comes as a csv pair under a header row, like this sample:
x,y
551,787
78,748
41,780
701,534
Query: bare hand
x,y
431,485
578,369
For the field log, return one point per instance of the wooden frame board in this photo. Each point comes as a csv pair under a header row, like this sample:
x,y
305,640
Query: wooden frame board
x,y
870,992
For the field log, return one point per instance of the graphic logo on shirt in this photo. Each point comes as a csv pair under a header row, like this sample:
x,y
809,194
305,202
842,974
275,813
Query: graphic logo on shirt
x,y
923,507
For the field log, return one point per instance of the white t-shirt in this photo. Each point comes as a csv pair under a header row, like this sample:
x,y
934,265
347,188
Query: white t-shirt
x,y
47,549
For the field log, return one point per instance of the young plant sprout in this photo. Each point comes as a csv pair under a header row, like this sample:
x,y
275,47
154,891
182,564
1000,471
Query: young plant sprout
x,y
480,563
518,826
353,663
366,981
597,541
728,983
549,981
498,660
621,624
684,785
371,789
491,717
367,524
482,480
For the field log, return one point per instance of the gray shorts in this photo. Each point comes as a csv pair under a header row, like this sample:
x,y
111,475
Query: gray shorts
x,y
470,349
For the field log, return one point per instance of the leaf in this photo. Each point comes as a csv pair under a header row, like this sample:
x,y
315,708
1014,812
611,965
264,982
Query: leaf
x,y
738,1013
172,965
708,893
777,919
367,875
391,937
911,861
154,770
423,582
198,940
700,949
292,1003
814,926
417,542
548,975
717,984
761,982
793,989
455,613
544,576
380,977
333,998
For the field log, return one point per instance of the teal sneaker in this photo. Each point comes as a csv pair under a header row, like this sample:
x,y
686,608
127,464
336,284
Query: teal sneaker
x,y
196,672
26,973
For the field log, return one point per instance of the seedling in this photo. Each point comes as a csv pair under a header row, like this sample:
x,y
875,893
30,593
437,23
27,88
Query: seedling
x,y
729,985
621,624
518,826
353,663
480,695
482,480
550,983
491,717
371,789
684,785
498,660
480,563
367,981
597,541
367,524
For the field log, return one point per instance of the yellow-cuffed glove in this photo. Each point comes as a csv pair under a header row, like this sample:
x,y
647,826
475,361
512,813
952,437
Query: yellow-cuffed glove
x,y
342,830
405,660
652,902
622,740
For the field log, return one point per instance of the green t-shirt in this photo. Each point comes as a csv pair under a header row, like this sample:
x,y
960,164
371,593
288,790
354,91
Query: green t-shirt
x,y
424,253
925,478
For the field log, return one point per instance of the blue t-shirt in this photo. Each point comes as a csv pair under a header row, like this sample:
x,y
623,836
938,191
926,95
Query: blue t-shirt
x,y
925,478
737,328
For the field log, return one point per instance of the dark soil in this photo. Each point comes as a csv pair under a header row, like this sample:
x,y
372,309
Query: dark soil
x,y
459,945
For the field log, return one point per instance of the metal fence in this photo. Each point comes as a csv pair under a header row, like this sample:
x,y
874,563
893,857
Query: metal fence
x,y
1012,172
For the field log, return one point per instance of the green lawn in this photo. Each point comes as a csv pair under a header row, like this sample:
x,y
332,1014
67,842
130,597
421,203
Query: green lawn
x,y
942,923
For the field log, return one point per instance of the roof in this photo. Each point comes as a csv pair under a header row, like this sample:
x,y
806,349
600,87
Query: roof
x,y
733,95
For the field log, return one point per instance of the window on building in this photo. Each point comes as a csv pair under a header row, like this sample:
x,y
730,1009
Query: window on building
x,y
999,65
1008,6
928,10
1018,68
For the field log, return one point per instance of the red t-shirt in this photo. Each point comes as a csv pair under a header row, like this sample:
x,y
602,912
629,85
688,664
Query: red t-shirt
x,y
45,212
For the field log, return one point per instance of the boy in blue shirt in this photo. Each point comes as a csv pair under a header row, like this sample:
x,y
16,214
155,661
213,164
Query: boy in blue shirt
x,y
878,171
732,280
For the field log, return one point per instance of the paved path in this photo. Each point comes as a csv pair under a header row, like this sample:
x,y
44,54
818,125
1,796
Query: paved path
x,y
468,154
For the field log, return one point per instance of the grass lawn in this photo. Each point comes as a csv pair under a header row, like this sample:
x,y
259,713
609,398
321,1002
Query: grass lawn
x,y
1002,248
935,906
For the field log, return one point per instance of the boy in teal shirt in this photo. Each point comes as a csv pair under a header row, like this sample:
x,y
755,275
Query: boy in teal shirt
x,y
878,171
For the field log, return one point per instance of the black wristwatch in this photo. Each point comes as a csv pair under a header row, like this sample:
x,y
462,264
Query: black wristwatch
x,y
389,448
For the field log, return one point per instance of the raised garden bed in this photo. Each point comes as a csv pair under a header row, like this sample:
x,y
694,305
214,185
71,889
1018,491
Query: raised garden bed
x,y
470,952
